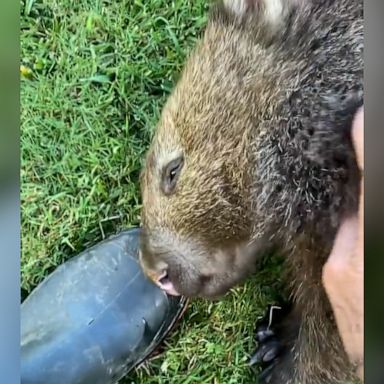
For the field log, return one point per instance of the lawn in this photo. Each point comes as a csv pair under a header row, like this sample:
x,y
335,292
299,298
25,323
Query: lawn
x,y
95,76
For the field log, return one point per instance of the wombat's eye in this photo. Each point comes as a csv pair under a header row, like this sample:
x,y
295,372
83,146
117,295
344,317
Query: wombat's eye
x,y
170,175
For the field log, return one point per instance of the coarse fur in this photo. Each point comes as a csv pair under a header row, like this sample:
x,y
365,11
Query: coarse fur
x,y
261,119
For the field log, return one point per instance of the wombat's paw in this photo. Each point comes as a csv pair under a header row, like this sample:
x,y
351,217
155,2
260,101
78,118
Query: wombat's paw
x,y
270,351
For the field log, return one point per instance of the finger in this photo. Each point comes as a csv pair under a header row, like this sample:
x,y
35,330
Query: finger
x,y
358,137
358,140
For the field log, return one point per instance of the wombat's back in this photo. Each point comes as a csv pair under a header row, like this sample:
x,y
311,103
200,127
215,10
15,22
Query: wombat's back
x,y
306,176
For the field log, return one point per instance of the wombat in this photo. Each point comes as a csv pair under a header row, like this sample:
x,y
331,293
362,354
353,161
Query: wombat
x,y
252,153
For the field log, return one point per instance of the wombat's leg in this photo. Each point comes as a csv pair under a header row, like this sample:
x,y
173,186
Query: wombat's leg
x,y
301,348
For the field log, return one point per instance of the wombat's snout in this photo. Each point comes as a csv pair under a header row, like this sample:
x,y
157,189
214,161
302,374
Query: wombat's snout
x,y
166,284
161,279
157,272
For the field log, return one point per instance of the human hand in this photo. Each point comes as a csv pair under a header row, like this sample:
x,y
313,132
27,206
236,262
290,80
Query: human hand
x,y
343,274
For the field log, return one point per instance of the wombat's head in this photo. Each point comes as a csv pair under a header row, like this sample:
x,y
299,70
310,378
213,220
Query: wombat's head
x,y
196,185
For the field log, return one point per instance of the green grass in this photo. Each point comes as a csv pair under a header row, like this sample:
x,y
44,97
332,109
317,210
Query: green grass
x,y
100,72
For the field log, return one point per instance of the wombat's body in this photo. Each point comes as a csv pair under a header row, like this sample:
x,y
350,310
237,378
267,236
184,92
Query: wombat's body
x,y
253,150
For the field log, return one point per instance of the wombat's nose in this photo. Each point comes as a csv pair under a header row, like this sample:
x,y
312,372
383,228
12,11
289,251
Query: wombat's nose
x,y
166,284
156,271
161,279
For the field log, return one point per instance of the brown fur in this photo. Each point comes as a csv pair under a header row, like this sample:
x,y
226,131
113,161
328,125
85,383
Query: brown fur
x,y
262,116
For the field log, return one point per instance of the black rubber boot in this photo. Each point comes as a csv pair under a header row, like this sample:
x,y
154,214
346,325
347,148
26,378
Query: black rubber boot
x,y
95,317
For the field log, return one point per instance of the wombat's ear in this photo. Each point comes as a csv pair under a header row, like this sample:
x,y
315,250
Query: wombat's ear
x,y
271,11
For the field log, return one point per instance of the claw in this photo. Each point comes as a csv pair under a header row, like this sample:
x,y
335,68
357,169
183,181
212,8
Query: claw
x,y
266,352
